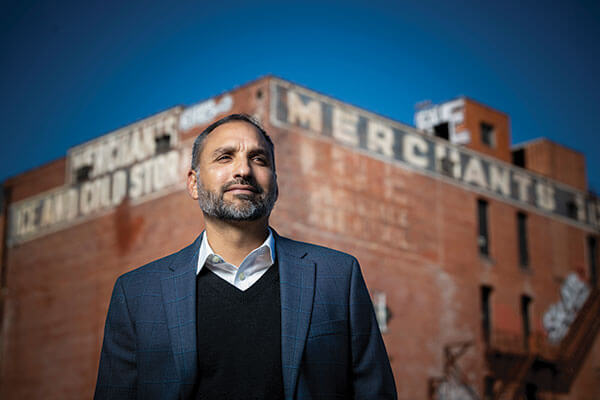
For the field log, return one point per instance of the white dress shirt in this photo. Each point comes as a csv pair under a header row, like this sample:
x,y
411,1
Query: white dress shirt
x,y
252,268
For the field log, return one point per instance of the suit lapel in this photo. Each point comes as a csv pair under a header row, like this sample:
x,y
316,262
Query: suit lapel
x,y
297,288
179,296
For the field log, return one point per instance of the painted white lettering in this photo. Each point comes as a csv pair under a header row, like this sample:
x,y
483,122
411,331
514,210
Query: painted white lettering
x,y
98,161
169,123
103,187
345,127
119,187
454,156
138,152
110,153
447,160
136,185
415,150
580,202
26,218
47,215
95,195
148,135
380,138
307,115
52,210
172,167
500,179
72,201
545,196
474,173
154,174
523,183
88,198
148,167
202,113
122,152
592,214
440,154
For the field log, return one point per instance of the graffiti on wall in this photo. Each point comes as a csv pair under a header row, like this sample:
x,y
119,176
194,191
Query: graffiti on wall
x,y
559,317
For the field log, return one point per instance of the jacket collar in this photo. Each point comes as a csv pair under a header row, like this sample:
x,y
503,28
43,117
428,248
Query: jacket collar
x,y
297,287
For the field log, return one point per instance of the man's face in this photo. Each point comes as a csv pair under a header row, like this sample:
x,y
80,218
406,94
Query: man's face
x,y
235,180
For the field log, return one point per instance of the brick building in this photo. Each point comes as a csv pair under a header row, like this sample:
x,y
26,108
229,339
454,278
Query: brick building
x,y
482,259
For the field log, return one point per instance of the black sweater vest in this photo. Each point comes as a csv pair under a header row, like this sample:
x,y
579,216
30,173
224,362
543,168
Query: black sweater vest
x,y
239,338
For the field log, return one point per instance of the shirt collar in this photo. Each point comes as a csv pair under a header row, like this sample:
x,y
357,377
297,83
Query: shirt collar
x,y
206,251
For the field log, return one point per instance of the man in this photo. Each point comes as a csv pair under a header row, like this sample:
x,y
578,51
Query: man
x,y
242,313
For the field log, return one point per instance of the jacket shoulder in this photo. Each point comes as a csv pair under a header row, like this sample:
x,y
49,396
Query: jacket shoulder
x,y
314,252
156,268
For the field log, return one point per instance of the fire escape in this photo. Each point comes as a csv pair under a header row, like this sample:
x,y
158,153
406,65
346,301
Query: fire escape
x,y
454,384
516,364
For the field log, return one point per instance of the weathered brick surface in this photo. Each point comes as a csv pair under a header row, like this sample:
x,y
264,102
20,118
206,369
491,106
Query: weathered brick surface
x,y
475,114
556,161
415,237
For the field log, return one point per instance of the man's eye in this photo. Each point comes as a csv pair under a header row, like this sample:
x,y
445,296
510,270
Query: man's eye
x,y
261,160
224,157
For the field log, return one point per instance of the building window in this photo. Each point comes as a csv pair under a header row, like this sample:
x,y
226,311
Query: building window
x,y
522,235
593,260
82,174
486,320
488,388
483,238
531,391
442,131
525,306
487,134
518,158
572,209
163,143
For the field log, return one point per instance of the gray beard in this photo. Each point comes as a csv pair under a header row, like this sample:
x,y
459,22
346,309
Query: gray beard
x,y
251,208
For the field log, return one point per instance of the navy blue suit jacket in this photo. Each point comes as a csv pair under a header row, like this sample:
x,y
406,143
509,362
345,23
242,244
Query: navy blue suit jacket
x,y
331,347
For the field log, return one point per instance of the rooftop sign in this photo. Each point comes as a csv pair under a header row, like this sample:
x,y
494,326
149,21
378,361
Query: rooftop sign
x,y
134,162
295,107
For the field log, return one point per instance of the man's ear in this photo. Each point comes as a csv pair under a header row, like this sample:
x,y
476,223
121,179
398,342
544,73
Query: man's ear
x,y
192,184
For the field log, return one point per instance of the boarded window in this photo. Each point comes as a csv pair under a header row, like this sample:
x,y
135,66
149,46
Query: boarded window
x,y
441,131
525,306
522,236
486,320
518,158
487,134
593,260
82,174
163,144
482,217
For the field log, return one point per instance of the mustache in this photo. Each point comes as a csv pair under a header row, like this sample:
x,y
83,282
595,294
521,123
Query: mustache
x,y
250,181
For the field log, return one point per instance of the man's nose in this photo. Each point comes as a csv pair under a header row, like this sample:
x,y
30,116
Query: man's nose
x,y
242,167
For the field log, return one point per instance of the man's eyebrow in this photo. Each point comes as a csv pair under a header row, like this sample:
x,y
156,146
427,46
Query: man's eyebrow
x,y
232,149
258,151
223,150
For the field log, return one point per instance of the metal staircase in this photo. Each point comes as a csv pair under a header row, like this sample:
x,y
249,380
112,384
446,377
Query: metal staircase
x,y
550,368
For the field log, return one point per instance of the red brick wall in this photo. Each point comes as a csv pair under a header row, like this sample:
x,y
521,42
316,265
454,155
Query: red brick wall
x,y
475,114
557,162
415,237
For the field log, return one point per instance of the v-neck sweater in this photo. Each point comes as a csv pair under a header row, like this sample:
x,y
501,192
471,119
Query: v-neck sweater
x,y
239,338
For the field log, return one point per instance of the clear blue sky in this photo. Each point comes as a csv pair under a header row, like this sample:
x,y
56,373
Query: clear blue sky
x,y
74,70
